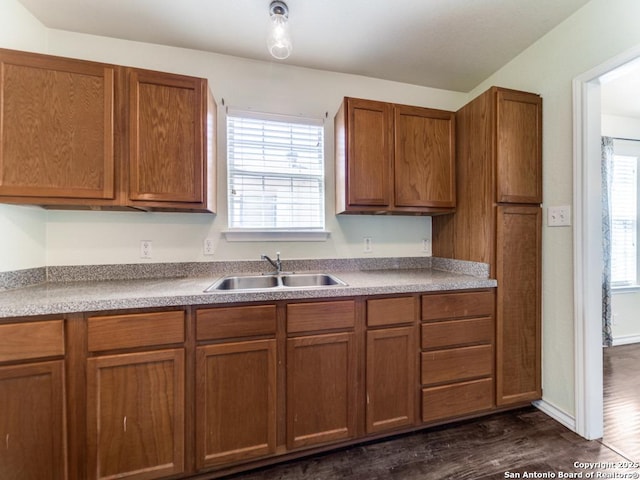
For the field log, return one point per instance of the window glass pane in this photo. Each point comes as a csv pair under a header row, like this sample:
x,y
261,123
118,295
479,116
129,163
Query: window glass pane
x,y
275,173
624,215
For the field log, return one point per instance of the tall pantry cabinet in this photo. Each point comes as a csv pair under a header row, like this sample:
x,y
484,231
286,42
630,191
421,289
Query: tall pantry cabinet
x,y
498,221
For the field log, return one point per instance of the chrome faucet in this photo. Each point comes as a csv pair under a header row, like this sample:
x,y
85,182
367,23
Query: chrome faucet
x,y
277,264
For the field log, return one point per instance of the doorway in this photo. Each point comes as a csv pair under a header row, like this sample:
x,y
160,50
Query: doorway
x,y
587,242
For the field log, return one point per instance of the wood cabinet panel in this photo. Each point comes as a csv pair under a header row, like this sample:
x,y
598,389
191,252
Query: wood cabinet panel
x,y
457,399
518,340
391,378
230,322
321,400
32,423
367,156
443,306
135,415
456,364
391,311
424,157
236,402
23,341
167,155
518,147
135,330
56,128
394,158
317,316
457,333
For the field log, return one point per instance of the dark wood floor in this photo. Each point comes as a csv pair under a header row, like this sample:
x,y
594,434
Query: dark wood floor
x,y
520,441
483,449
622,399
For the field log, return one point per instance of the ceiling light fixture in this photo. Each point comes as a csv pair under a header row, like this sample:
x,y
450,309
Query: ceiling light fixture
x,y
279,39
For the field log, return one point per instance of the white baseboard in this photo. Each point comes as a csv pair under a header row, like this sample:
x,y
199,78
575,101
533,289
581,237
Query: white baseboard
x,y
556,413
626,340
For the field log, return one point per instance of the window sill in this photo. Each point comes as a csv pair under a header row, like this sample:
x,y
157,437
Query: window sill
x,y
276,235
626,289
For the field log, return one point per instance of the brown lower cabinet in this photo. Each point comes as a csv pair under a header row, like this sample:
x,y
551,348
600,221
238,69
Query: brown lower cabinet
x,y
213,390
32,414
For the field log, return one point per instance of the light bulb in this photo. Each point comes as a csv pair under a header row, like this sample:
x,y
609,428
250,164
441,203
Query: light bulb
x,y
279,39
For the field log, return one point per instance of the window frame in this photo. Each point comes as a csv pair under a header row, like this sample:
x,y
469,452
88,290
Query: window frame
x,y
630,148
304,233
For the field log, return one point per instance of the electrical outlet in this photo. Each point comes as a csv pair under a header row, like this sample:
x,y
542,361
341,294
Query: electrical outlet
x,y
426,245
208,247
145,248
368,245
559,216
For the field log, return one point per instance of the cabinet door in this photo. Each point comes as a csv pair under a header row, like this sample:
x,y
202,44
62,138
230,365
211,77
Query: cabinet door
x,y
32,426
518,264
424,157
391,378
321,378
56,128
167,155
236,402
370,153
519,147
135,408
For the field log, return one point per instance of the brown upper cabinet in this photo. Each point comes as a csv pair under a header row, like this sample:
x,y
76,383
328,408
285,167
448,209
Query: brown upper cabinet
x,y
518,147
394,158
79,134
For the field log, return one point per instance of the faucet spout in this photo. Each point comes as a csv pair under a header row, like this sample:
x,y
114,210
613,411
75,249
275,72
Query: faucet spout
x,y
277,264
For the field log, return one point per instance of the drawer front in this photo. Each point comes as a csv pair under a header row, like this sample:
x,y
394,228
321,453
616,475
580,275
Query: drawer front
x,y
457,305
23,341
231,322
135,330
390,311
456,364
457,333
310,317
458,399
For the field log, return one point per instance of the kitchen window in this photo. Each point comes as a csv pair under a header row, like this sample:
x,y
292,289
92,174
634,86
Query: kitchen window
x,y
275,172
624,214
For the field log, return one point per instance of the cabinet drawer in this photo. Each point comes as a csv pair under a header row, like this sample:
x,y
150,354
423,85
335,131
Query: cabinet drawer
x,y
309,317
135,330
390,311
457,399
457,333
230,322
23,341
457,305
456,364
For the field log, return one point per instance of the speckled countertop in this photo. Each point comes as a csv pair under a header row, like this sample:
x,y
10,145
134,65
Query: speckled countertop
x,y
53,297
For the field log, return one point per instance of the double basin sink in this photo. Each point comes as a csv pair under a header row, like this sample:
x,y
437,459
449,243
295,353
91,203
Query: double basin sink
x,y
270,281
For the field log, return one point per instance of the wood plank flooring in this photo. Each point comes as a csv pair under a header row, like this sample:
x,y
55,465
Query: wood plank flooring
x,y
622,399
488,448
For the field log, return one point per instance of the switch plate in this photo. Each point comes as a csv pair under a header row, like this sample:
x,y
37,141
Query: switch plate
x,y
208,247
145,248
559,216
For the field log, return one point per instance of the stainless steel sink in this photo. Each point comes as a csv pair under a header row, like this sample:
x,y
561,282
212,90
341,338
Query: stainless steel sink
x,y
244,283
268,282
310,280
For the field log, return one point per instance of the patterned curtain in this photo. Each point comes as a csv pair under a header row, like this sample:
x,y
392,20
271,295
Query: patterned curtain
x,y
607,175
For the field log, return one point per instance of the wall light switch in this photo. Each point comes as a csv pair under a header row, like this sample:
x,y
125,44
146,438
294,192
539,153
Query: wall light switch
x,y
559,216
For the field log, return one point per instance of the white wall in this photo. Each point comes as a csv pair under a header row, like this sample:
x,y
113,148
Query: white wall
x,y
108,237
22,229
601,30
625,305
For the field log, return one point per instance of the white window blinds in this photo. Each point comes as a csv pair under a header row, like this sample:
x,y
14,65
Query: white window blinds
x,y
624,216
275,172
